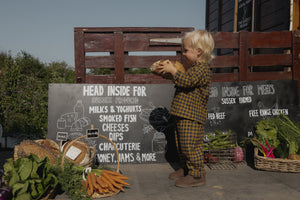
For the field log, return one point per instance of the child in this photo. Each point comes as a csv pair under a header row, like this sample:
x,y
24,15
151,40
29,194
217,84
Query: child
x,y
189,106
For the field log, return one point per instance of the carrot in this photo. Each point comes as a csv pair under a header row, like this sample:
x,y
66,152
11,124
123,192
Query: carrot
x,y
105,185
99,181
110,172
105,190
110,185
115,174
118,180
90,188
107,176
119,186
93,180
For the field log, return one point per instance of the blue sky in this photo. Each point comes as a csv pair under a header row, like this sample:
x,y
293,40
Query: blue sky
x,y
44,28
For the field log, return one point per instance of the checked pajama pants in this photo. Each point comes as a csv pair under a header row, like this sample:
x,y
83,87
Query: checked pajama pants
x,y
189,141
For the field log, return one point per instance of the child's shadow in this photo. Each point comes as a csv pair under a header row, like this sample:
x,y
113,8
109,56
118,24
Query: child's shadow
x,y
163,121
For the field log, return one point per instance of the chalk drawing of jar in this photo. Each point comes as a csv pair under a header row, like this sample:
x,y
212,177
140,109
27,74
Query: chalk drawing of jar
x,y
159,142
79,109
145,113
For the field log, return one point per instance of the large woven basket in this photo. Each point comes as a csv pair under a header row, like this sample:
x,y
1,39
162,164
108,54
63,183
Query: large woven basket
x,y
275,164
96,195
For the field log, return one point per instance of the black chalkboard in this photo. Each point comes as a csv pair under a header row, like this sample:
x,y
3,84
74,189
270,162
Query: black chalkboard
x,y
237,106
136,117
244,18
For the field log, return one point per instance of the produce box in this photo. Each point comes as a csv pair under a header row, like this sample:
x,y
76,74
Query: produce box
x,y
216,155
275,164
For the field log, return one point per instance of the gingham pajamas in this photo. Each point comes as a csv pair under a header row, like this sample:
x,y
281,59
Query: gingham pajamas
x,y
189,141
189,106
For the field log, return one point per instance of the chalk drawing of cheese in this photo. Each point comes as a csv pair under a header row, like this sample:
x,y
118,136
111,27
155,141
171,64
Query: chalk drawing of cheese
x,y
80,123
70,118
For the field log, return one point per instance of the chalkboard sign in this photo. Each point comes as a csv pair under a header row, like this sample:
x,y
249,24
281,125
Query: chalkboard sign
x,y
136,117
238,106
244,18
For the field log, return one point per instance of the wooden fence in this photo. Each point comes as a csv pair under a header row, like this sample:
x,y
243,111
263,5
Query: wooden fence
x,y
240,56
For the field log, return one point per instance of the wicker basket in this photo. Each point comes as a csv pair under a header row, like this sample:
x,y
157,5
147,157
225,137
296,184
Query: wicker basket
x,y
275,164
96,195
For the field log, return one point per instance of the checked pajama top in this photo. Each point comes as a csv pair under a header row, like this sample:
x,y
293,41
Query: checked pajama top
x,y
192,92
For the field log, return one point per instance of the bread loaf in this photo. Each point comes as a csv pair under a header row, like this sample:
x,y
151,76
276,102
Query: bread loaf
x,y
78,152
177,64
27,147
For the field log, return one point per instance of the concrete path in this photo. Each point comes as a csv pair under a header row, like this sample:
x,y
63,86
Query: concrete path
x,y
150,182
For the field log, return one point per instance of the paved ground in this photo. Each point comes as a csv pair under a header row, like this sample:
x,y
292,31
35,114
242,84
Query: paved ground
x,y
150,182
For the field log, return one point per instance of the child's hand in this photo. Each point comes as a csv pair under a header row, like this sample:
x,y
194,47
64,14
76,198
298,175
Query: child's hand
x,y
167,67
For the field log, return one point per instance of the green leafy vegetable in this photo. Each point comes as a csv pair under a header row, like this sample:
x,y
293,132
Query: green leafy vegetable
x,y
266,130
70,179
288,133
29,177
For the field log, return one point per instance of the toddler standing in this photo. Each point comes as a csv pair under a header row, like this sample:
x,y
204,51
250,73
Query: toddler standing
x,y
189,106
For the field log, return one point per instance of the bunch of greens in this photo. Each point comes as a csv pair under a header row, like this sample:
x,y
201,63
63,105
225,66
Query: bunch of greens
x,y
29,177
289,135
70,179
218,140
266,134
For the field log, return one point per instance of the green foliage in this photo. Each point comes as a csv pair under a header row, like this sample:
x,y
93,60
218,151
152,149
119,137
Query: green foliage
x,y
289,134
140,71
24,93
266,130
70,179
29,177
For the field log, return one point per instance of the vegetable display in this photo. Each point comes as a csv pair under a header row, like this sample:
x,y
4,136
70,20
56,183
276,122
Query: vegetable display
x,y
277,137
289,135
107,182
81,183
218,141
29,177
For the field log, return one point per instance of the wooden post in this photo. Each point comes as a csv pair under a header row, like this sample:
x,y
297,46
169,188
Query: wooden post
x,y
295,15
236,5
79,57
244,54
296,58
119,58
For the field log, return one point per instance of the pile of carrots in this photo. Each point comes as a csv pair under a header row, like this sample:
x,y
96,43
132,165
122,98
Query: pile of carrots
x,y
108,182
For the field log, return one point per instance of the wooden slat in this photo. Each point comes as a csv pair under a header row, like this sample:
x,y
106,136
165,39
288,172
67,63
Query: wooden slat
x,y
270,60
261,76
225,77
278,39
99,61
97,42
136,42
225,61
226,40
132,29
141,42
101,79
145,79
146,61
